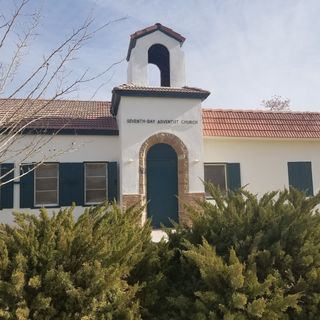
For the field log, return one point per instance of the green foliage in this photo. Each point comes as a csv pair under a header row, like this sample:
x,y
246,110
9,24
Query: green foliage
x,y
56,268
243,258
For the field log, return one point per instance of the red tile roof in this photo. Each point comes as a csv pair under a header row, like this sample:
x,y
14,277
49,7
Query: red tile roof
x,y
132,87
260,124
170,92
160,27
93,116
148,30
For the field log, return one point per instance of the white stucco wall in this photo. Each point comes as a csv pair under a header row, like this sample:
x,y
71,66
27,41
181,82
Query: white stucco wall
x,y
138,63
63,148
133,135
71,148
263,162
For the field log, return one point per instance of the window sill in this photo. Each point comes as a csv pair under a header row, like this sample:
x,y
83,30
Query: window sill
x,y
89,204
39,206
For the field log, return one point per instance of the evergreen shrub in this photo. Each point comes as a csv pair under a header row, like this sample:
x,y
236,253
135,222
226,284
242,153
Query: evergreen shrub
x,y
58,268
244,257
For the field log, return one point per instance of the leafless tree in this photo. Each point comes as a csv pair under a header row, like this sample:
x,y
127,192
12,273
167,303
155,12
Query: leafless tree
x,y
52,77
277,103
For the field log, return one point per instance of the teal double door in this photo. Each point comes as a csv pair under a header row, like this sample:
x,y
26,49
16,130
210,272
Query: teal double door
x,y
162,185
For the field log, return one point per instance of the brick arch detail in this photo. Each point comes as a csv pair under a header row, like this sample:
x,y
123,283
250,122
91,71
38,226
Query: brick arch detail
x,y
183,167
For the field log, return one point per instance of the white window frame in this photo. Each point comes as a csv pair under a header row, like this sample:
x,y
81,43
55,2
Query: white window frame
x,y
35,186
211,164
85,182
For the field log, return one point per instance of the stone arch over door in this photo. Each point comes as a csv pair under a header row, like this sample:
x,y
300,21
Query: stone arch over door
x,y
183,168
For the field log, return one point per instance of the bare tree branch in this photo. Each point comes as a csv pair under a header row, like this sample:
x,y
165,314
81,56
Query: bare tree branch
x,y
26,113
12,21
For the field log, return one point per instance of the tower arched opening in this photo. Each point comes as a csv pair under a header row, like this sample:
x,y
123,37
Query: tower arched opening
x,y
159,55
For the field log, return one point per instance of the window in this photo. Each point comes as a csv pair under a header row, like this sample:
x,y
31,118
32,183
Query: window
x,y
6,189
61,184
46,184
95,182
300,176
224,175
216,174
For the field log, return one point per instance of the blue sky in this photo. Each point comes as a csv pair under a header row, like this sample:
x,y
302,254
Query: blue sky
x,y
243,51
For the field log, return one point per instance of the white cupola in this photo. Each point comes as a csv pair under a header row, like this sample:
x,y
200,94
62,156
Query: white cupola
x,y
160,46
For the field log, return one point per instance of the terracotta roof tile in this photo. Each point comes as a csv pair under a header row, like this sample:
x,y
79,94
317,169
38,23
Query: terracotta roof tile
x,y
167,92
185,89
260,124
148,30
96,116
58,114
155,27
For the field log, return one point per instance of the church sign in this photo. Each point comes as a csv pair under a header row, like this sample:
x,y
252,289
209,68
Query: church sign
x,y
161,121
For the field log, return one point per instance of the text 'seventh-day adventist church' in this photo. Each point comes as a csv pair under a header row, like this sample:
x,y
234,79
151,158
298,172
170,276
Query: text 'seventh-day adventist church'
x,y
157,144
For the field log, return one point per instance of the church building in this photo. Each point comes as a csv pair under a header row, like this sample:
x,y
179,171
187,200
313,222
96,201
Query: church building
x,y
156,145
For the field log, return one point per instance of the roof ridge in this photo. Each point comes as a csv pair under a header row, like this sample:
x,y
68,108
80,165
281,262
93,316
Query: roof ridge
x,y
141,87
259,111
64,100
157,26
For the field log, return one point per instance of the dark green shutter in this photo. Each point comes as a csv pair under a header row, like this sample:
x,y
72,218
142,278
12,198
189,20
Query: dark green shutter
x,y
6,191
27,186
71,184
300,176
233,176
112,181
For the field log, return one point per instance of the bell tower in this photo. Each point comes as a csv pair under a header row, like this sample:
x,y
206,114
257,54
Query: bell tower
x,y
160,46
160,128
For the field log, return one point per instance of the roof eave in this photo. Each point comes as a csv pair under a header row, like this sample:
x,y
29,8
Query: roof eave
x,y
68,131
118,93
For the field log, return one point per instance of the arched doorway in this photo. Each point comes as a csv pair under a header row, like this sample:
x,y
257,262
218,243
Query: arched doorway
x,y
162,184
183,172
